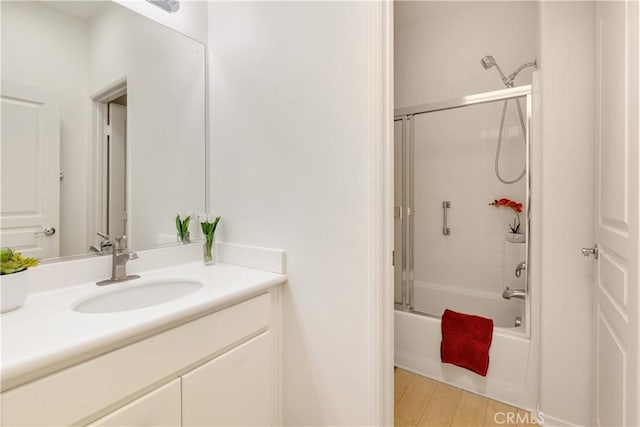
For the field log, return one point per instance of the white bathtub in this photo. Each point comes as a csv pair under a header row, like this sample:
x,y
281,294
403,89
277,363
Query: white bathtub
x,y
418,336
433,299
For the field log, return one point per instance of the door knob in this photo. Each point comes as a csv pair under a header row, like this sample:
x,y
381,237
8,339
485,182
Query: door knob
x,y
587,252
49,231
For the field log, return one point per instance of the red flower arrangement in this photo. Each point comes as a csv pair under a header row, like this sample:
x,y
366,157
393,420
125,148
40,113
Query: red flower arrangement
x,y
517,209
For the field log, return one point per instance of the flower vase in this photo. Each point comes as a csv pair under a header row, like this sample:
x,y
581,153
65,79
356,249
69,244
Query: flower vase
x,y
184,238
209,249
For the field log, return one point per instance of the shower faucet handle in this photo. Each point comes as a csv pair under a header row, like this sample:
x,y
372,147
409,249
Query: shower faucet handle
x,y
519,268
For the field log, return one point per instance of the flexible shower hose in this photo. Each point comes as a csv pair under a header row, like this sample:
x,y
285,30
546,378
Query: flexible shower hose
x,y
498,148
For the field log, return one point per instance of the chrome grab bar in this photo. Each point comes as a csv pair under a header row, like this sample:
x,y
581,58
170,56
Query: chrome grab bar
x,y
446,205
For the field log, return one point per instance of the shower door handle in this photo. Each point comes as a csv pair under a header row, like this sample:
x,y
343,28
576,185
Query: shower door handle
x,y
397,212
446,205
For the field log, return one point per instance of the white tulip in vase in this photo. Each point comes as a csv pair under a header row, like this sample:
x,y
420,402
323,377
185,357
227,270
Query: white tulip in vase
x,y
208,224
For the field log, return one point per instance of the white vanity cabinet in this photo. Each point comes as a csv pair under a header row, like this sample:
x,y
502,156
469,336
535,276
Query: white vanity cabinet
x,y
161,407
217,369
233,389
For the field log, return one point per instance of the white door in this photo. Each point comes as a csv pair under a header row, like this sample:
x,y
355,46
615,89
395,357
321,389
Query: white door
x,y
117,209
30,160
617,200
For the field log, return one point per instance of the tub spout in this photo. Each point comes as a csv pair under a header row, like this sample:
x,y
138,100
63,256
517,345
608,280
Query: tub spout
x,y
514,293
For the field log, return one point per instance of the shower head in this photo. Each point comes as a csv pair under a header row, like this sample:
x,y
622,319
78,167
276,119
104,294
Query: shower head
x,y
488,62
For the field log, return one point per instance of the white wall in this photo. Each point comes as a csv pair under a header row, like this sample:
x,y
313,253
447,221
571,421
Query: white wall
x,y
438,47
165,74
190,19
57,61
290,165
567,34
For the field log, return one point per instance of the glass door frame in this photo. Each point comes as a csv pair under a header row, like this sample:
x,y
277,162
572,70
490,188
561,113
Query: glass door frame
x,y
407,116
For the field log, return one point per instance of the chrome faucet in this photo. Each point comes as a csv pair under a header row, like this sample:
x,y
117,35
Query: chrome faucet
x,y
105,245
120,256
514,293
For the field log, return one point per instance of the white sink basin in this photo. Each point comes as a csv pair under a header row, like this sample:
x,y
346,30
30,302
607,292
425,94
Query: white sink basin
x,y
134,296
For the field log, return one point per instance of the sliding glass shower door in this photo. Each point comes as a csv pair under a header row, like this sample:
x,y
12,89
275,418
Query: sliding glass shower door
x,y
398,270
461,204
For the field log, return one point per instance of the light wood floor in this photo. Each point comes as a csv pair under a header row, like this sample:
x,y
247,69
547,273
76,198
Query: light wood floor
x,y
421,401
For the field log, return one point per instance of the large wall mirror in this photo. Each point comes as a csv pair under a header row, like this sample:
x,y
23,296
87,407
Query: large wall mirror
x,y
103,128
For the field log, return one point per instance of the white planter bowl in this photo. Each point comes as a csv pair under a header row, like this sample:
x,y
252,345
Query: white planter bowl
x,y
13,290
515,238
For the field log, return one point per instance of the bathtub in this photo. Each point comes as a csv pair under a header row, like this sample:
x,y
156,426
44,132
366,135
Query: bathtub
x,y
417,344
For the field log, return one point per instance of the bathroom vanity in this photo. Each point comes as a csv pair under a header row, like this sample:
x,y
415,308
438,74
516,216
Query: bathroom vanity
x,y
182,345
207,358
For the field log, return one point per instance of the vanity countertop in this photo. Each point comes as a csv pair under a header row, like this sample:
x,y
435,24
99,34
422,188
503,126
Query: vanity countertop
x,y
46,335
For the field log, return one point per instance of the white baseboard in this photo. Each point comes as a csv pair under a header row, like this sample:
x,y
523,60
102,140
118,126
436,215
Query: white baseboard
x,y
551,421
267,259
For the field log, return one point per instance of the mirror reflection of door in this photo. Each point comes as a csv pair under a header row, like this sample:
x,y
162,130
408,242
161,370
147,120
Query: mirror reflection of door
x,y
79,54
116,207
30,170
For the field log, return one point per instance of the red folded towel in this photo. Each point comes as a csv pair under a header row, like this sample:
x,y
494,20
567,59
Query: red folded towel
x,y
475,327
466,340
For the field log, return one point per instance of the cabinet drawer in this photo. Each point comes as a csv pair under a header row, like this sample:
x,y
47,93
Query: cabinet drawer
x,y
80,391
234,389
161,407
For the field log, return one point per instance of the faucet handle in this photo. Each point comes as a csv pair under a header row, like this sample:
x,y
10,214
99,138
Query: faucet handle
x,y
104,236
120,243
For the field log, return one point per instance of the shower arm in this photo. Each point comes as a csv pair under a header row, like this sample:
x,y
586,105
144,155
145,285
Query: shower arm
x,y
509,80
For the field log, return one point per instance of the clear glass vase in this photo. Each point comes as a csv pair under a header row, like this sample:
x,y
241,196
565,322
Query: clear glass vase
x,y
208,250
184,238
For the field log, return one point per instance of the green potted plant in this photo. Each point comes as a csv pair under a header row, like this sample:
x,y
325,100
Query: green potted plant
x,y
13,279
